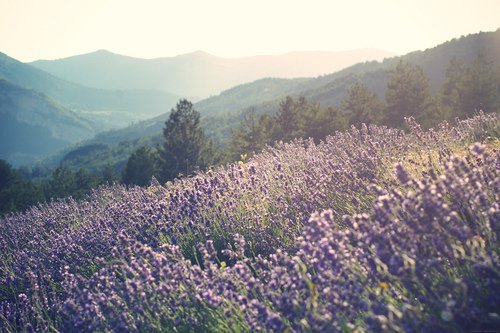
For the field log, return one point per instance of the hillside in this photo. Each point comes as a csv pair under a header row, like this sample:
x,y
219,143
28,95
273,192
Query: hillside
x,y
373,230
32,125
197,74
105,108
222,112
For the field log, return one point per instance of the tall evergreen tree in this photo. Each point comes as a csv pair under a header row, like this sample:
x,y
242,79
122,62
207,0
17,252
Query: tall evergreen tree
x,y
328,121
185,148
251,136
16,192
362,106
5,174
287,120
408,94
108,174
141,167
84,183
482,87
62,184
453,89
470,89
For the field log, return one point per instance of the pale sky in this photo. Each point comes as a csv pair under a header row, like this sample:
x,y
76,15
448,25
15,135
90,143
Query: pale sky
x,y
50,29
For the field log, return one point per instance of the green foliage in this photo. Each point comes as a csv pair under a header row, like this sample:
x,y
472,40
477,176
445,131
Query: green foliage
x,y
287,120
470,89
407,95
141,167
303,119
362,106
65,183
329,121
16,192
5,174
109,174
295,119
452,91
482,84
97,157
185,148
252,135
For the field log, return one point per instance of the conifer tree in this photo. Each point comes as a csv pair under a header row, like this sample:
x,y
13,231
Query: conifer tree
x,y
452,91
141,167
362,106
407,95
287,120
185,148
470,89
482,87
251,136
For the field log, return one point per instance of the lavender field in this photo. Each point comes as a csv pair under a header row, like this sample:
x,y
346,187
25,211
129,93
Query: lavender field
x,y
375,229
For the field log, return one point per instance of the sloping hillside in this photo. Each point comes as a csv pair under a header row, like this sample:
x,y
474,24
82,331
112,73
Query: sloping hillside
x,y
33,125
105,108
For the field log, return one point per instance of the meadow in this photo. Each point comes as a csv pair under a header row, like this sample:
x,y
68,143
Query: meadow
x,y
373,229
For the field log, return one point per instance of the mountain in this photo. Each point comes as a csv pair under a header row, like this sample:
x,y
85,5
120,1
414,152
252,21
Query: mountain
x,y
331,89
105,108
222,112
32,125
197,73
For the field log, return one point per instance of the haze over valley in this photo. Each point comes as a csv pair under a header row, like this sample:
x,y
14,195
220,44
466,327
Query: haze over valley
x,y
199,74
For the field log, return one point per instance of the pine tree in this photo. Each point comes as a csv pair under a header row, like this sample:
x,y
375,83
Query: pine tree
x,y
329,120
185,148
251,136
482,87
141,166
452,91
408,94
470,89
362,106
287,120
62,184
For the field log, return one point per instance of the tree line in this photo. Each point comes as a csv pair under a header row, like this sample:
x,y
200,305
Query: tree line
x,y
186,149
466,90
18,192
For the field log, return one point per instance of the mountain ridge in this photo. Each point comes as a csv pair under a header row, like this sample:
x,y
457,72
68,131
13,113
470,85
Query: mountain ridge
x,y
106,108
197,73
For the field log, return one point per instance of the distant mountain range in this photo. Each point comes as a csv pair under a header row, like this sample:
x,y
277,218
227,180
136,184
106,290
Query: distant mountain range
x,y
105,108
197,74
223,112
112,91
264,95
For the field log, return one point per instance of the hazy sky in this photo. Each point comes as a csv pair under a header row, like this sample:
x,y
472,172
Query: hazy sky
x,y
48,29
